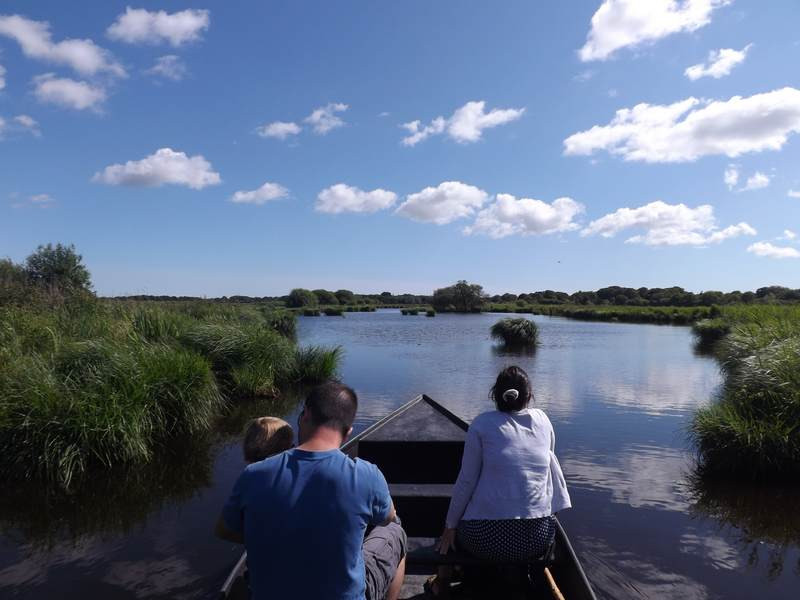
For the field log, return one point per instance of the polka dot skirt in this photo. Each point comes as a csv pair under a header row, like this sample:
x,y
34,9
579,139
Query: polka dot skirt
x,y
507,540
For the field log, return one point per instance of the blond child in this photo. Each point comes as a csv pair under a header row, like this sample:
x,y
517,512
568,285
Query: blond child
x,y
266,436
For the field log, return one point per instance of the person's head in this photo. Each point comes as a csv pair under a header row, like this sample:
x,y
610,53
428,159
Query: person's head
x,y
332,405
266,436
512,390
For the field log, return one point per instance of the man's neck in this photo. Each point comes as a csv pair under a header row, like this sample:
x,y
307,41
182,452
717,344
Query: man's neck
x,y
322,439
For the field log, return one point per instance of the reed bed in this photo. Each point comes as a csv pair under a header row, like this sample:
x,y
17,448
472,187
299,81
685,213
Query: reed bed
x,y
516,332
105,384
752,430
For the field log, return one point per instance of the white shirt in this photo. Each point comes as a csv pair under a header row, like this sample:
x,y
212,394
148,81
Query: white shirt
x,y
509,469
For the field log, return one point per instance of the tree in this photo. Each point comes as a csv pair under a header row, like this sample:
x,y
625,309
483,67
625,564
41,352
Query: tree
x,y
345,297
58,268
299,297
461,297
326,297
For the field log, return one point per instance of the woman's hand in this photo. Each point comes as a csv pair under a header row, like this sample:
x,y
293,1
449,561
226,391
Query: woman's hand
x,y
447,541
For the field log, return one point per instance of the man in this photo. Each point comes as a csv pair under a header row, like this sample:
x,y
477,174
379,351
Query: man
x,y
303,514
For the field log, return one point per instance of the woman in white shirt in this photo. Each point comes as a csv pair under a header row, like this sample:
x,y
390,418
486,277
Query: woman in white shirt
x,y
510,484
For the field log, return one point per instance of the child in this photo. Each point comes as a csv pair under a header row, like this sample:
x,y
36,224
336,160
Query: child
x,y
266,436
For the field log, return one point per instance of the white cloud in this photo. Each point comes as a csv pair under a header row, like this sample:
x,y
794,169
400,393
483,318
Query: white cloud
x,y
756,181
2,77
28,124
768,250
667,225
169,66
324,118
164,166
731,176
34,37
419,132
630,23
448,201
341,198
278,129
720,63
465,125
139,26
69,93
788,235
656,133
793,193
268,191
525,216
41,199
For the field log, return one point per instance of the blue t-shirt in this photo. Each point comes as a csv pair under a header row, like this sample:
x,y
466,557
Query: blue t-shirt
x,y
303,515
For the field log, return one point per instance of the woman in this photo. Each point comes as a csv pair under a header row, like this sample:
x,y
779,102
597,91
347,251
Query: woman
x,y
510,484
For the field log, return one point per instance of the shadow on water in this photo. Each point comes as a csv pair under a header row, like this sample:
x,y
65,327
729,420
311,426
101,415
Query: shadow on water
x,y
511,351
115,502
757,518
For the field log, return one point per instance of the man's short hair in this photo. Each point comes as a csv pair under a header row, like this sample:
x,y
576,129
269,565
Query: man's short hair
x,y
266,436
332,404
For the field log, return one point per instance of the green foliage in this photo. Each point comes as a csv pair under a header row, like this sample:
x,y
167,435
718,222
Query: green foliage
x,y
461,297
708,332
345,297
310,312
430,313
299,297
107,384
753,429
59,268
333,311
325,297
516,332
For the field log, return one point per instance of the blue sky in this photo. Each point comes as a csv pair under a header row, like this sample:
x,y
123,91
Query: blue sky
x,y
251,147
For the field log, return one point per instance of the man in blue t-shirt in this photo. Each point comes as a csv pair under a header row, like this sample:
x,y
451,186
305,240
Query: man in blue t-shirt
x,y
303,514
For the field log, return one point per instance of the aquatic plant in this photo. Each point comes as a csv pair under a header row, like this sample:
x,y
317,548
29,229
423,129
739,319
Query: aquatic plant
x,y
334,311
310,312
752,430
430,313
515,332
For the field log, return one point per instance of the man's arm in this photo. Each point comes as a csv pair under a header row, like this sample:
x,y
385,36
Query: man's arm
x,y
392,514
222,532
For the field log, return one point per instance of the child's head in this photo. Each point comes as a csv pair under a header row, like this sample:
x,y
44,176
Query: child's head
x,y
266,436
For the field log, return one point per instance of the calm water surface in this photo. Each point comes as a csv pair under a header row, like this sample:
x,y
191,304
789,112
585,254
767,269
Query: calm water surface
x,y
620,397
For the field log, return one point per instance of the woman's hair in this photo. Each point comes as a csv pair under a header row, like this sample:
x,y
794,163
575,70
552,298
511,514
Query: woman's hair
x,y
512,390
266,436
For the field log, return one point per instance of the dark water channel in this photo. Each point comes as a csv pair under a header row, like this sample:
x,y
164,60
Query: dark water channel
x,y
620,397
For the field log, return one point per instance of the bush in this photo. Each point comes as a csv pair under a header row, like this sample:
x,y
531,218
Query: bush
x,y
299,297
516,332
334,312
430,313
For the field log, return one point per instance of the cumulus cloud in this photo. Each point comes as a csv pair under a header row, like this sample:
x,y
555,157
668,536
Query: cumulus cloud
x,y
2,77
691,128
768,250
341,198
465,125
279,129
788,235
666,225
719,64
448,201
621,24
793,193
525,216
756,181
34,37
164,166
140,26
68,93
169,66
27,123
324,118
731,176
268,191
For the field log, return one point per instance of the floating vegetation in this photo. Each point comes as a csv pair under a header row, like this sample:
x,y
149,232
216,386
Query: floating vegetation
x,y
516,332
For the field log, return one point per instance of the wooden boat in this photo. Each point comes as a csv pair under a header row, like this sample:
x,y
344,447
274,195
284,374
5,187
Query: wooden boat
x,y
418,448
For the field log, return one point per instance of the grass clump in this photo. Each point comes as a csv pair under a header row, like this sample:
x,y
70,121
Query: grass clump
x,y
333,311
430,313
708,332
310,312
753,429
516,332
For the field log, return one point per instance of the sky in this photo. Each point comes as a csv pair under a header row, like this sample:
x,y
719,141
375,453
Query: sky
x,y
238,147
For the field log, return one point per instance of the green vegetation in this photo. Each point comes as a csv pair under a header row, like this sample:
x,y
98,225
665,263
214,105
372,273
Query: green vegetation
x,y
430,313
86,383
409,311
333,311
310,312
461,297
752,430
299,297
516,332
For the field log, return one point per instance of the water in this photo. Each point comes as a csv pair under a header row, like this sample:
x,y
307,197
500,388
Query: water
x,y
620,397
